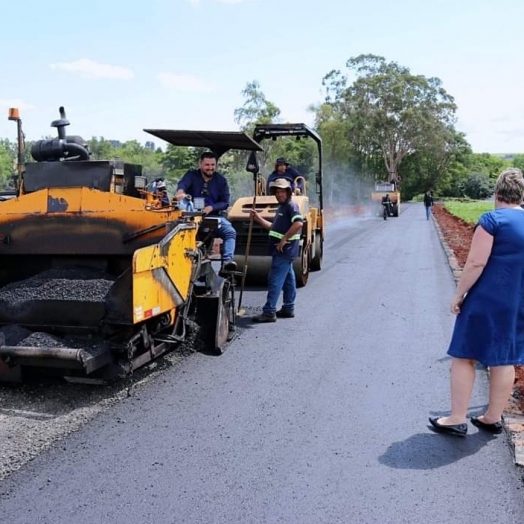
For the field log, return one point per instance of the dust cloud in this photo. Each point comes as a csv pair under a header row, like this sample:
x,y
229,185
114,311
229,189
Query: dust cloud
x,y
346,194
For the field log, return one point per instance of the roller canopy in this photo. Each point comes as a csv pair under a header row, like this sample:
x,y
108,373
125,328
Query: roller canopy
x,y
265,131
217,141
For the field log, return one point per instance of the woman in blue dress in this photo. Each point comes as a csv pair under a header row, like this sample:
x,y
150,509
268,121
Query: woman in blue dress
x,y
489,304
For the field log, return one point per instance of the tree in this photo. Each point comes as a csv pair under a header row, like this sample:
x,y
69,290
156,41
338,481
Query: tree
x,y
348,173
7,162
389,111
491,165
177,160
478,186
518,161
257,109
135,153
101,149
441,167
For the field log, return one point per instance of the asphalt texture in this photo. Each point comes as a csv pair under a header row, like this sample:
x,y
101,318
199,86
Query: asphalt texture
x,y
317,419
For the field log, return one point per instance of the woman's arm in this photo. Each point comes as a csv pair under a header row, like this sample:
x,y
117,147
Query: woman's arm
x,y
478,257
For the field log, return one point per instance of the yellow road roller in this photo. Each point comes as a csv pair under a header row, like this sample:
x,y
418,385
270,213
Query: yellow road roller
x,y
252,240
380,190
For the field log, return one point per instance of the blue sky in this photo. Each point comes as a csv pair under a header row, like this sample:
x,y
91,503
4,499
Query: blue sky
x,y
181,64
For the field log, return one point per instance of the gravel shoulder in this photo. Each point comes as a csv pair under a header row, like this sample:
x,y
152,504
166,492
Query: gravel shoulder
x,y
34,416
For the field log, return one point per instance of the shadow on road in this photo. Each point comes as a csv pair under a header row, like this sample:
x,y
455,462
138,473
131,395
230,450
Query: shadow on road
x,y
431,450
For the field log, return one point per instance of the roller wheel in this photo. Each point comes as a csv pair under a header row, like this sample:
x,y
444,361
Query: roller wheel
x,y
316,261
216,316
226,318
301,266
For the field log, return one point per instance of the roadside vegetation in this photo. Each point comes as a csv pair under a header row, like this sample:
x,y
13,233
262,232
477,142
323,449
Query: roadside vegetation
x,y
378,121
469,211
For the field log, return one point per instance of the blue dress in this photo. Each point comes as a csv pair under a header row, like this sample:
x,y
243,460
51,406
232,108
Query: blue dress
x,y
490,325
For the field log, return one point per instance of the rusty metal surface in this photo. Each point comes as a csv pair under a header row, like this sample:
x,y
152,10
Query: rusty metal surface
x,y
73,235
43,352
42,314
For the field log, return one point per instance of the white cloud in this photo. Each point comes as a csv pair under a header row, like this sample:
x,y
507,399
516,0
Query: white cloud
x,y
87,68
184,82
15,102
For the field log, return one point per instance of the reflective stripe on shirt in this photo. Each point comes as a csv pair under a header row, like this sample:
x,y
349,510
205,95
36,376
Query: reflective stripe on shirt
x,y
281,236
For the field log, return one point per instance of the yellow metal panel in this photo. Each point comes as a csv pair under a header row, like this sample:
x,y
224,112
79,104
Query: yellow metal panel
x,y
147,258
179,262
23,205
91,202
151,295
376,196
266,205
150,298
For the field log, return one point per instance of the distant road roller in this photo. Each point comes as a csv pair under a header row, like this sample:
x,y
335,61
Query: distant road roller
x,y
252,239
95,279
382,189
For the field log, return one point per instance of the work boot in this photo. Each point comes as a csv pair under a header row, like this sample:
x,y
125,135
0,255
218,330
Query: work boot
x,y
229,267
265,317
285,313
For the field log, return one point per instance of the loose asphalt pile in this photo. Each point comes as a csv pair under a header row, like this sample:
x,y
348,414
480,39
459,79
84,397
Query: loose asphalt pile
x,y
63,285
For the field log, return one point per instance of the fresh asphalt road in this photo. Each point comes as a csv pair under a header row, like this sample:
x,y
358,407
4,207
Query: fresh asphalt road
x,y
317,419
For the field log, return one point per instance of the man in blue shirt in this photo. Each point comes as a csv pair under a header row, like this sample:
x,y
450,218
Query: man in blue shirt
x,y
205,182
284,247
284,170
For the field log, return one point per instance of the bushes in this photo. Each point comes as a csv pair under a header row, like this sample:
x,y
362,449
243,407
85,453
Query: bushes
x,y
477,186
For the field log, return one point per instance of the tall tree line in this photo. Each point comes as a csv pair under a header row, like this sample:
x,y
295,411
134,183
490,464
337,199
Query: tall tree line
x,y
385,124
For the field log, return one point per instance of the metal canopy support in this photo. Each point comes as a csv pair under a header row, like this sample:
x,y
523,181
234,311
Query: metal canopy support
x,y
269,131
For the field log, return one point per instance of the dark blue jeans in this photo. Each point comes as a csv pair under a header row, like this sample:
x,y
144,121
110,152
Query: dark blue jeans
x,y
228,234
281,278
428,212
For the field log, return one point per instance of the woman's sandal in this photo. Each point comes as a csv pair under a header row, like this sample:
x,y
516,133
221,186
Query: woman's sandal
x,y
494,428
457,430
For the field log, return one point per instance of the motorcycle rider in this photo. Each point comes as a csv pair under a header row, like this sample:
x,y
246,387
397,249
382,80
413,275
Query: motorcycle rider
x,y
386,203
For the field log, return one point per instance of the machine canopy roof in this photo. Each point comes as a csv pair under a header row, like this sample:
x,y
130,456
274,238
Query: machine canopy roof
x,y
217,141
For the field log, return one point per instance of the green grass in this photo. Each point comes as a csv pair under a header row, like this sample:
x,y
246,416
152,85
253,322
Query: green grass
x,y
469,211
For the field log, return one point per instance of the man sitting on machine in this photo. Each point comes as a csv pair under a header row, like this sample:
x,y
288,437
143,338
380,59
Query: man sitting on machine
x,y
161,198
210,186
284,170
